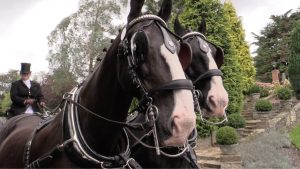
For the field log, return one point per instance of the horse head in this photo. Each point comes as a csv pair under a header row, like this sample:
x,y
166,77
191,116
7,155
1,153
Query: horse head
x,y
207,58
151,54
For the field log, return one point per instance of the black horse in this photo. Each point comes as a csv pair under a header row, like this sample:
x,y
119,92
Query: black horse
x,y
142,62
203,70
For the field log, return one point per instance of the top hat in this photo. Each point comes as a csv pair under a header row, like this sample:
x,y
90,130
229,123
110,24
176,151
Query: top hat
x,y
25,68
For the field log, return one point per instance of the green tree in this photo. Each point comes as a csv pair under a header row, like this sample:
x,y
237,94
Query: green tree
x,y
274,44
6,79
79,39
5,104
153,7
55,85
294,60
244,58
219,31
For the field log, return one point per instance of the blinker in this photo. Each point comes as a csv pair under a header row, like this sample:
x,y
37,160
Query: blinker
x,y
203,45
167,40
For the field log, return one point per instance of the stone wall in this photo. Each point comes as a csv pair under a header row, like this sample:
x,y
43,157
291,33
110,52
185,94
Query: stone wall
x,y
286,119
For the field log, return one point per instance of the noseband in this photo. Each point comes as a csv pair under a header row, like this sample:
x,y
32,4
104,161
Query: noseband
x,y
210,73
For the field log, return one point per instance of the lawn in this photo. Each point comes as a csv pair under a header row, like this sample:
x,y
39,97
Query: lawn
x,y
295,136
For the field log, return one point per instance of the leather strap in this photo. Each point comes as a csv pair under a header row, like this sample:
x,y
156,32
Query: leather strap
x,y
210,73
174,85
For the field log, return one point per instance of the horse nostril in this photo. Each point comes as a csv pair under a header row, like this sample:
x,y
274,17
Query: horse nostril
x,y
212,101
171,125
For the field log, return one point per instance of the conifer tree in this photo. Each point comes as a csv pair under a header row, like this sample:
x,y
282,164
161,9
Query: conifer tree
x,y
244,58
219,31
294,60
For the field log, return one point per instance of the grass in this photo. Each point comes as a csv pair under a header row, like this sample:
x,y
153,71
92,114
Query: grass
x,y
295,136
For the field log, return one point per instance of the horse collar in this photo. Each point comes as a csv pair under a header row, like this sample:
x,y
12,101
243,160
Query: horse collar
x,y
77,147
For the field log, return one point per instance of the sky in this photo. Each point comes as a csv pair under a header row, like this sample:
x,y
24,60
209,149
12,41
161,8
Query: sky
x,y
25,25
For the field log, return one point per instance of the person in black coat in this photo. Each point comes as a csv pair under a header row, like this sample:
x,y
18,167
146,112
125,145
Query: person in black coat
x,y
25,94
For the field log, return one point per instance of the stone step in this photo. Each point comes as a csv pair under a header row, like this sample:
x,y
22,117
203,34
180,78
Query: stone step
x,y
252,121
204,157
244,134
249,109
248,131
247,116
212,151
251,126
230,158
209,163
247,112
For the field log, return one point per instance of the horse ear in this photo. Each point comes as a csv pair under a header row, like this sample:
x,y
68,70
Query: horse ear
x,y
135,9
178,28
185,55
202,27
219,57
165,10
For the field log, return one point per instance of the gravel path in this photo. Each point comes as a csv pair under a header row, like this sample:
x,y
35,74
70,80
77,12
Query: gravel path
x,y
293,154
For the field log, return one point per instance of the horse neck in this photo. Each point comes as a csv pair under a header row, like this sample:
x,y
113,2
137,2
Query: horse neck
x,y
103,95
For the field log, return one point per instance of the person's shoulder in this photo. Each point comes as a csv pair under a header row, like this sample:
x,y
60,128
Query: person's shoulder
x,y
34,83
16,82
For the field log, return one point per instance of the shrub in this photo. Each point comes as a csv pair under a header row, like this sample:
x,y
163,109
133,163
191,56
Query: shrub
x,y
284,93
263,105
226,136
236,121
254,89
264,92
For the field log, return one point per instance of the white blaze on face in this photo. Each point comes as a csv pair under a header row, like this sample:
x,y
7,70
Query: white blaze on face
x,y
217,91
183,112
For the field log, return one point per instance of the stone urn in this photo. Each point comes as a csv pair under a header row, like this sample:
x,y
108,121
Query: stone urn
x,y
255,96
240,131
287,105
229,149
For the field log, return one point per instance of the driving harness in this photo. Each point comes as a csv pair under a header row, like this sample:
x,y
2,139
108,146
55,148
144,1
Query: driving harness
x,y
74,144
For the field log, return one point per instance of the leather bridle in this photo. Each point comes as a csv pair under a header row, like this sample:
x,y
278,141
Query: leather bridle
x,y
146,103
207,74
